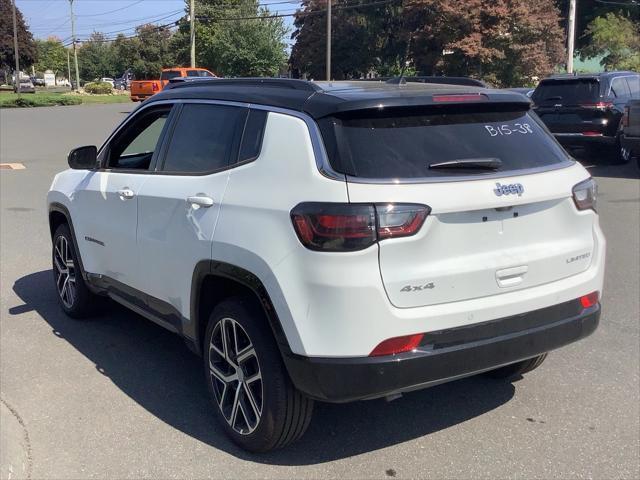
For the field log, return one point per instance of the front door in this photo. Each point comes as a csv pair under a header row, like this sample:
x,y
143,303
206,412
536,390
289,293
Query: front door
x,y
108,202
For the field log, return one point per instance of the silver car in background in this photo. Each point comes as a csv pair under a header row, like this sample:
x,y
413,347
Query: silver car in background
x,y
26,86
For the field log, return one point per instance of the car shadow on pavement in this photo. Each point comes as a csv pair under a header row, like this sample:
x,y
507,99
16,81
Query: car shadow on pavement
x,y
156,370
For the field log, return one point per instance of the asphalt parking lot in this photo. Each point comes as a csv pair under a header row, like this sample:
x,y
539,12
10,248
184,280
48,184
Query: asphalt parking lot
x,y
119,397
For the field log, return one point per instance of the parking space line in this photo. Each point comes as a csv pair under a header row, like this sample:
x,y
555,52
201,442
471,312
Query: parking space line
x,y
12,166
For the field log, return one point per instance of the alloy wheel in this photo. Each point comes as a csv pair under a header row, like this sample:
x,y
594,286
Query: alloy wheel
x,y
65,271
235,375
625,154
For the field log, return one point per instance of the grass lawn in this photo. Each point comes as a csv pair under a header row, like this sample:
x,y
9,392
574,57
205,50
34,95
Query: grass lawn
x,y
47,99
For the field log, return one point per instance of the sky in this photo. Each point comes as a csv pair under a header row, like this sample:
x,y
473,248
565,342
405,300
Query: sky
x,y
52,18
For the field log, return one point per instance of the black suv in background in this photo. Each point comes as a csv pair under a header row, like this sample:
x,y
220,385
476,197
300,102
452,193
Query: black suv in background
x,y
586,109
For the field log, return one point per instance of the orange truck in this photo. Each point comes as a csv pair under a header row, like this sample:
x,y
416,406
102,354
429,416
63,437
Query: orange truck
x,y
143,89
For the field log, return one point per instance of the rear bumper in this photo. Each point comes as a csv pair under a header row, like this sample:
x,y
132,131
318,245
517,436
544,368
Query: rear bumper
x,y
632,143
578,139
444,355
140,97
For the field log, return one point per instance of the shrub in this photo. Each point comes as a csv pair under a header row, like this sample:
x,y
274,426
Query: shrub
x,y
38,101
98,88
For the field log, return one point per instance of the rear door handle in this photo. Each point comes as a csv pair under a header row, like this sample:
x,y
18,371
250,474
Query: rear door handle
x,y
200,201
126,193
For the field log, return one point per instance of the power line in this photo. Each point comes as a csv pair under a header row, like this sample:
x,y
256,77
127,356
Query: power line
x,y
111,11
302,13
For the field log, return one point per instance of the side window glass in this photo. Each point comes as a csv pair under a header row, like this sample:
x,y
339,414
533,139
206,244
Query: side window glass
x,y
634,86
205,138
252,136
133,148
193,73
619,88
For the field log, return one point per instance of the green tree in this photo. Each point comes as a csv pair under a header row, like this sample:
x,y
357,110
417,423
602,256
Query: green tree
x,y
51,56
617,39
150,51
588,10
26,45
234,39
365,38
95,58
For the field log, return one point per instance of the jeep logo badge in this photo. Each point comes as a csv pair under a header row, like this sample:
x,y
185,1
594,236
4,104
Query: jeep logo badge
x,y
513,189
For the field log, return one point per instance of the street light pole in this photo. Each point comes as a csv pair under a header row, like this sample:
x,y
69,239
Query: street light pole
x,y
328,40
73,39
192,23
571,35
16,81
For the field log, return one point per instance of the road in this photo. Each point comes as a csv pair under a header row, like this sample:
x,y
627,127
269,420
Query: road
x,y
119,397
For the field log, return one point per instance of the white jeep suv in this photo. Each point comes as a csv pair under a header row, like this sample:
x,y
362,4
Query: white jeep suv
x,y
333,241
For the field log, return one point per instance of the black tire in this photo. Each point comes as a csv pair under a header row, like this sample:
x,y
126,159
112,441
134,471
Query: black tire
x,y
283,413
78,301
518,368
621,155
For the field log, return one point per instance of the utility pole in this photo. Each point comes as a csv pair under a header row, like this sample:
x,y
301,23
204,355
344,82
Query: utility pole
x,y
16,81
68,68
329,40
192,23
75,51
571,35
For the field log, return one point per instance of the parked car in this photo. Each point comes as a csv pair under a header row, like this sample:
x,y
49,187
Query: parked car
x,y
26,86
38,82
409,247
630,130
123,82
143,89
586,109
108,80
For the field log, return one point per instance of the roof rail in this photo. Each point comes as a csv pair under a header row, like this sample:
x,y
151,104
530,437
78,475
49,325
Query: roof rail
x,y
290,83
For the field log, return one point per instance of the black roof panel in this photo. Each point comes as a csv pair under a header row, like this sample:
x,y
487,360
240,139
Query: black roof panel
x,y
320,99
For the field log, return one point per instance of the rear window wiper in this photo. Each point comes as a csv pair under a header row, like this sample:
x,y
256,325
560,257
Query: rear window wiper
x,y
488,163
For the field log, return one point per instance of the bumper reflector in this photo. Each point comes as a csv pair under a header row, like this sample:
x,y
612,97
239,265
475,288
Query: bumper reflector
x,y
590,299
394,345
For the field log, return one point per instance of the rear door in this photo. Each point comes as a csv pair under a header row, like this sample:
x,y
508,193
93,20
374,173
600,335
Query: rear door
x,y
179,205
576,105
490,230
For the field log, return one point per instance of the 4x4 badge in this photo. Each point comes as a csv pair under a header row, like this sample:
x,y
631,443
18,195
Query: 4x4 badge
x,y
417,288
512,189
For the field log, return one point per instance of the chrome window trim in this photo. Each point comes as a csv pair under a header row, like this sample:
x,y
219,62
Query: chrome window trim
x,y
320,154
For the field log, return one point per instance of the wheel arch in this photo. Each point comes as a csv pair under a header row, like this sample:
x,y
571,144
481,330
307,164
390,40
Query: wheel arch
x,y
214,281
59,215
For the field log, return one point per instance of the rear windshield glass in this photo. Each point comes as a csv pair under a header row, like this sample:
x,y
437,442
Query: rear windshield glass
x,y
567,92
169,74
407,144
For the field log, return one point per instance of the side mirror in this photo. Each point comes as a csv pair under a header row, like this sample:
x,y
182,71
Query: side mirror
x,y
83,158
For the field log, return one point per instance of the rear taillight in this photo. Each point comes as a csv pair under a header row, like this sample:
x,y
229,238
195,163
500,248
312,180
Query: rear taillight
x,y
347,227
598,105
585,194
589,300
400,220
154,87
395,345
